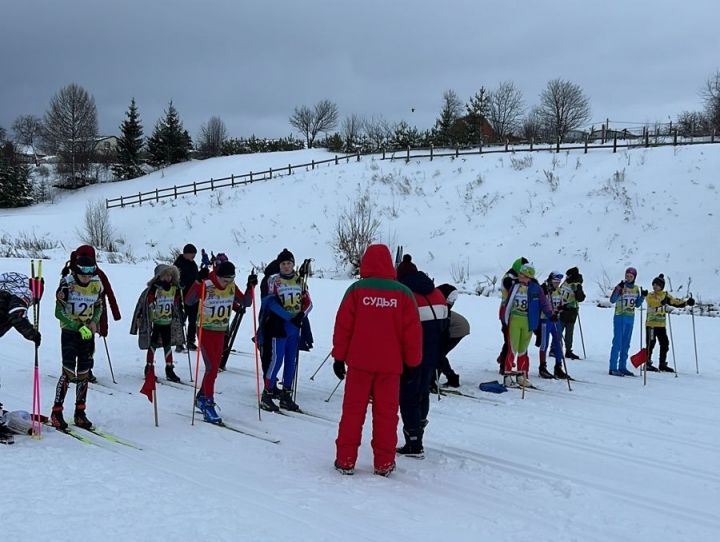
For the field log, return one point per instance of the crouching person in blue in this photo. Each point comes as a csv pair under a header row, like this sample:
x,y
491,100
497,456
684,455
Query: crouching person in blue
x,y
627,296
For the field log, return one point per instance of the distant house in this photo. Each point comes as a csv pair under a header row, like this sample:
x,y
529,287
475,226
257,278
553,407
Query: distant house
x,y
477,124
28,154
106,144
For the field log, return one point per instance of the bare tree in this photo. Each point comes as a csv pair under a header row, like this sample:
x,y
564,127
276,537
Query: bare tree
x,y
352,130
212,137
3,135
28,131
690,123
505,109
310,122
377,132
532,125
711,96
563,107
356,229
71,128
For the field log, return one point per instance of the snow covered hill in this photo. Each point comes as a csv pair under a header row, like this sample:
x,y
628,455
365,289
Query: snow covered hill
x,y
611,460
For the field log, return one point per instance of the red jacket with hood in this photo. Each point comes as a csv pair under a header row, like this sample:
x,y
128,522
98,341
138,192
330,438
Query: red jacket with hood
x,y
377,327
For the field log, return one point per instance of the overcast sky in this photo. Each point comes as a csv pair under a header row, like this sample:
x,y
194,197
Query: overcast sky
x,y
252,61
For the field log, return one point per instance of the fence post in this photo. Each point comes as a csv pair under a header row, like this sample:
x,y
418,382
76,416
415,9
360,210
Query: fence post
x,y
313,164
532,142
358,157
140,198
122,205
212,184
506,144
336,160
175,190
557,145
270,172
383,153
647,138
615,142
289,169
157,196
431,152
232,180
457,152
712,137
586,143
675,136
347,158
194,188
407,160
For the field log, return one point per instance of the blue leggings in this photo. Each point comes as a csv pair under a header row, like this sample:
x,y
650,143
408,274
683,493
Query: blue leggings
x,y
284,354
622,333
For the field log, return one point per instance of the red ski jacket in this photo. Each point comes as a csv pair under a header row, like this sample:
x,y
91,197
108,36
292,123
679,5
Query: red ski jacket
x,y
377,327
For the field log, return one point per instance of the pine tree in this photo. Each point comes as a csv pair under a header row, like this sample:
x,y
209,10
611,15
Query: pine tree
x,y
170,143
15,185
477,109
129,146
449,114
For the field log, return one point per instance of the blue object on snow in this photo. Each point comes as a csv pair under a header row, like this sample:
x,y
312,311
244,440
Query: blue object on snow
x,y
493,387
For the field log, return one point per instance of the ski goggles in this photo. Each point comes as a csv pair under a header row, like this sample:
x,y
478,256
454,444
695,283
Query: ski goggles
x,y
86,269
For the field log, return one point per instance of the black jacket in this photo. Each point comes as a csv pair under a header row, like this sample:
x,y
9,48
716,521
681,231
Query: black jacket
x,y
13,313
188,272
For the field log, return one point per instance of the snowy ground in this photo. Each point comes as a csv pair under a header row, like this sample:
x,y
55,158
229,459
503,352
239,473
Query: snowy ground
x,y
611,460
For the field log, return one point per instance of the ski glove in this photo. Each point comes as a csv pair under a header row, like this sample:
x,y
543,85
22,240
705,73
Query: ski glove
x,y
203,273
339,368
85,333
643,292
408,374
298,318
252,280
690,302
36,338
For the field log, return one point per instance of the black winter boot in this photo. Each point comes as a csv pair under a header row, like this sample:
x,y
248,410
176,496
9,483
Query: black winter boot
x,y
650,367
170,374
266,402
81,419
453,380
571,355
56,418
286,401
544,373
413,445
665,368
559,373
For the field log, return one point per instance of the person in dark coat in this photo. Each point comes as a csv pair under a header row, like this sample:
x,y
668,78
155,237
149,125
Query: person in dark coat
x,y
458,328
185,262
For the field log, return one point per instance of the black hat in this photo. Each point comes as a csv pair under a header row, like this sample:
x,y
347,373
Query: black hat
x,y
189,249
285,256
85,265
406,267
572,272
225,270
659,280
446,289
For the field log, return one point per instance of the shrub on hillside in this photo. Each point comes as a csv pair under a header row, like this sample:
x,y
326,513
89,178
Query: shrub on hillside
x,y
356,229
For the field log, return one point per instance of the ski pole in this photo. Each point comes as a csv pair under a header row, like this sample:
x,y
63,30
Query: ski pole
x,y
304,273
185,336
334,390
257,351
582,338
672,344
643,367
320,366
692,317
36,287
201,311
107,352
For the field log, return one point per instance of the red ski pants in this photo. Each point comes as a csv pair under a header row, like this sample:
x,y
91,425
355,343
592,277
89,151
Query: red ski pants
x,y
211,347
384,389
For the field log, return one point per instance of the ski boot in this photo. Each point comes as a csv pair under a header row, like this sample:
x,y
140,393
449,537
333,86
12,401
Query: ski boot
x,y
508,382
57,420
544,373
286,401
625,372
559,373
386,470
91,377
615,372
170,374
210,415
665,368
650,367
523,381
266,401
192,347
413,445
6,436
81,419
571,355
453,380
347,470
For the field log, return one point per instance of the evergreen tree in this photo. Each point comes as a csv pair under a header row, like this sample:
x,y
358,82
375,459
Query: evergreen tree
x,y
477,109
15,186
449,114
129,146
170,143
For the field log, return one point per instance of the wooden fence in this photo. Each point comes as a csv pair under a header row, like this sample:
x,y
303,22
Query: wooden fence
x,y
193,188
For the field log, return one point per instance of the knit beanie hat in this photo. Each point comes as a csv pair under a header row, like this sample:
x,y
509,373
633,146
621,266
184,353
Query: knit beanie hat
x,y
632,271
528,270
285,256
660,281
189,249
225,270
572,273
555,276
406,267
446,289
517,264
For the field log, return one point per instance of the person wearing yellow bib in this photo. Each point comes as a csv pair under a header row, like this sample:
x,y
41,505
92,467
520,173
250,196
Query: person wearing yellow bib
x,y
78,308
222,296
658,302
627,296
163,304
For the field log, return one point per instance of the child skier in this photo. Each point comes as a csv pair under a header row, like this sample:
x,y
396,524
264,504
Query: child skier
x,y
627,296
221,297
286,305
379,341
657,302
15,298
78,307
508,281
547,333
572,294
458,328
163,305
520,312
185,263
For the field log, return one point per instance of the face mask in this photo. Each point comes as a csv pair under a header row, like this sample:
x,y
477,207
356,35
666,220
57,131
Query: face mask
x,y
166,284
